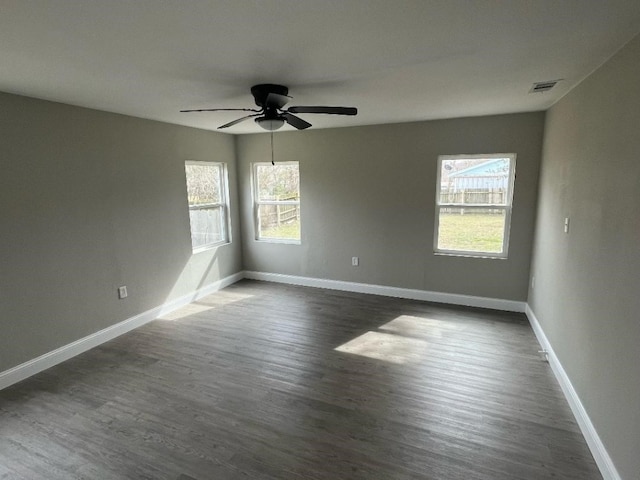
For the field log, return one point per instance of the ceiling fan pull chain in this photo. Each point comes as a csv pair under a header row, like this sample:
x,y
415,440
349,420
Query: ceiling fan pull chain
x,y
272,162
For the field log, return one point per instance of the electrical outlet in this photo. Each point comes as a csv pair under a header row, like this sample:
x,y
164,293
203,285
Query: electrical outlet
x,y
566,225
355,261
533,282
122,292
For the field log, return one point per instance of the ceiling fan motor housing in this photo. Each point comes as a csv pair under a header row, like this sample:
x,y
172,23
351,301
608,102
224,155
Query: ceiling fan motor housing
x,y
261,92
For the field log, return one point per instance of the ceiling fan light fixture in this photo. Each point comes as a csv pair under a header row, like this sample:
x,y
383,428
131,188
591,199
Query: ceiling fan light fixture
x,y
270,124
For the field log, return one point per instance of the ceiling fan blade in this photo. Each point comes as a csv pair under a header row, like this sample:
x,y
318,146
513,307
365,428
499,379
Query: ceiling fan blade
x,y
276,100
296,122
222,110
235,122
328,110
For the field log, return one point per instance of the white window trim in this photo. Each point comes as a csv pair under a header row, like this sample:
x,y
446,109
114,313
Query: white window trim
x,y
507,208
257,203
224,206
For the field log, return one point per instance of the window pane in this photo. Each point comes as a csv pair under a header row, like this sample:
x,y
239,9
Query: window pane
x,y
471,229
207,226
208,203
278,182
279,221
203,184
480,181
277,201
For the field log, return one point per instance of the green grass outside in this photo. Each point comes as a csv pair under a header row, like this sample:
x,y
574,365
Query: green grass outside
x,y
471,232
289,231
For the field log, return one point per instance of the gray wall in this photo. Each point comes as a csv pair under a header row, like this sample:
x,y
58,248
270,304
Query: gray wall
x,y
90,201
370,192
587,282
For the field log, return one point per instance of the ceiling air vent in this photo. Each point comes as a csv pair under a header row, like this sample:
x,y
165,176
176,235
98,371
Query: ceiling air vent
x,y
540,87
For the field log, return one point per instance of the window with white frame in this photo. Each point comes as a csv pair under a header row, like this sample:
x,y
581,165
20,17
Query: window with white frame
x,y
474,194
208,204
276,195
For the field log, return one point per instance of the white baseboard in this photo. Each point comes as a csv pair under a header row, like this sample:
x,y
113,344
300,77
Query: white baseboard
x,y
598,450
424,295
38,364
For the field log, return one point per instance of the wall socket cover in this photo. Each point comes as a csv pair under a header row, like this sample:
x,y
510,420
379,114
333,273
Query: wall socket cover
x,y
122,292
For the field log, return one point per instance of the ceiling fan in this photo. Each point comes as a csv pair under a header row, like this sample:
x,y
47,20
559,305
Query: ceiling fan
x,y
271,116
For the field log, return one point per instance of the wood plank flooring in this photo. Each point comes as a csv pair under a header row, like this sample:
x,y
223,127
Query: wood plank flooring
x,y
265,381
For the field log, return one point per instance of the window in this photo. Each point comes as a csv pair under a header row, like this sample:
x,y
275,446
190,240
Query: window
x,y
473,204
208,204
277,201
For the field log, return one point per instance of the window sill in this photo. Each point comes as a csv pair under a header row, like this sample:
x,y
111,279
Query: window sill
x,y
279,240
471,255
211,246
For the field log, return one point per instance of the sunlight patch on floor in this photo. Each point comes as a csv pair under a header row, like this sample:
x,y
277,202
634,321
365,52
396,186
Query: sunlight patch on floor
x,y
418,327
224,297
183,312
405,339
386,346
215,300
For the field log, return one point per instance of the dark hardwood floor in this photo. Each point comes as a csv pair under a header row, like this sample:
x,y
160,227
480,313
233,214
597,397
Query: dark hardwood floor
x,y
265,381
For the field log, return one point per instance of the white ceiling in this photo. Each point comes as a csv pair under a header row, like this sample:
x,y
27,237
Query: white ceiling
x,y
397,61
